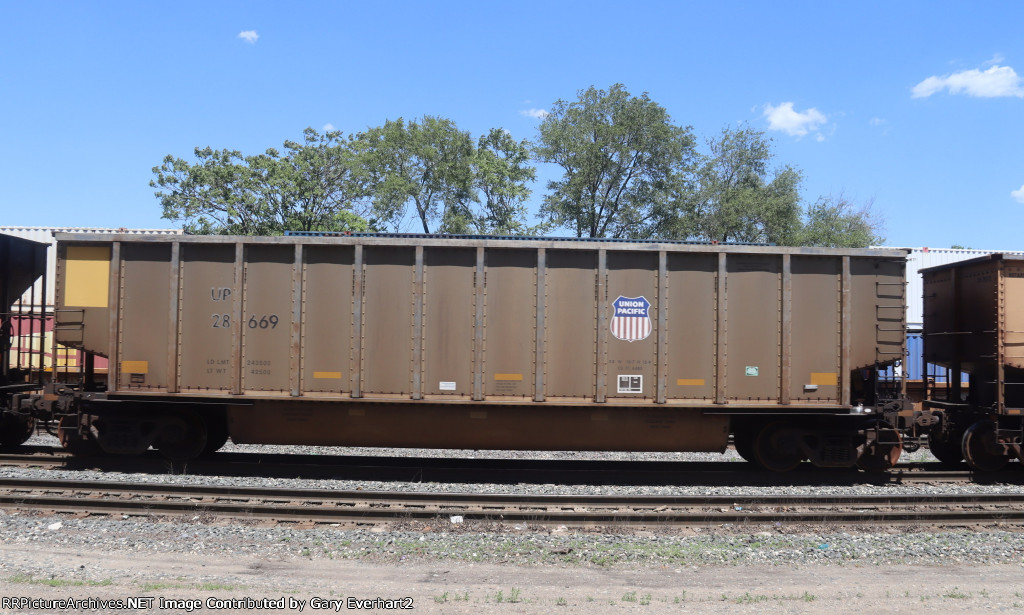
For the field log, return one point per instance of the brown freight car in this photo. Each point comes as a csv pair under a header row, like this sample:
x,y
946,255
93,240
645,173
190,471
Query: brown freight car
x,y
482,343
974,325
22,327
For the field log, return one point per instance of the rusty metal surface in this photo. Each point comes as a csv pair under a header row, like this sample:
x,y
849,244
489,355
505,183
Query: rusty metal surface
x,y
528,426
489,321
973,323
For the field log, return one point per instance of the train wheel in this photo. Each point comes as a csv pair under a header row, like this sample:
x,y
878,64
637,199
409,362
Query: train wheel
x,y
743,438
216,435
982,449
777,447
881,449
947,447
75,442
183,438
15,430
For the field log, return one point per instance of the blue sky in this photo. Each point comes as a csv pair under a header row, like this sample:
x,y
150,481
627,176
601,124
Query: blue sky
x,y
916,106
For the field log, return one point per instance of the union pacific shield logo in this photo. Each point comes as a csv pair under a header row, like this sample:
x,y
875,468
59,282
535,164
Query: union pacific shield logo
x,y
631,321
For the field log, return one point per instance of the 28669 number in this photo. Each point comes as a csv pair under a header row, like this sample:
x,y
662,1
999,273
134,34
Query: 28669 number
x,y
223,321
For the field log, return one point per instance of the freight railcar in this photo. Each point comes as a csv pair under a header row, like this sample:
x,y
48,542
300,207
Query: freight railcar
x,y
534,344
22,324
974,325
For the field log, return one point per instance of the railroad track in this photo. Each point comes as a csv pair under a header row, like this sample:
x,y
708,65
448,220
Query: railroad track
x,y
355,508
505,471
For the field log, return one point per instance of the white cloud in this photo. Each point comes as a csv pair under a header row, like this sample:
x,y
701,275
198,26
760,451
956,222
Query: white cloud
x,y
1018,195
998,81
537,114
795,123
328,127
876,121
249,36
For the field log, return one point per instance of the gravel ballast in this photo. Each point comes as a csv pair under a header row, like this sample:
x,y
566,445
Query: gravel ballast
x,y
37,547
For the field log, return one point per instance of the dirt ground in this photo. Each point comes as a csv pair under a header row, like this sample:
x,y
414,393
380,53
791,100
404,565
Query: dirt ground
x,y
437,587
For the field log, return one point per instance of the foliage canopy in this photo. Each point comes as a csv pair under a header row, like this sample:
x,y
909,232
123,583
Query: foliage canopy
x,y
312,186
627,171
622,159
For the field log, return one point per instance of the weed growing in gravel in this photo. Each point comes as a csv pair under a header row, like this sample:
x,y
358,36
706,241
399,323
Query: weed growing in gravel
x,y
442,598
27,578
629,597
561,602
956,594
749,598
513,596
155,587
217,586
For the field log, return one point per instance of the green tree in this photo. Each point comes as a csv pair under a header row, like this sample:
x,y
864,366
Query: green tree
x,y
502,173
313,186
835,222
623,162
737,197
425,165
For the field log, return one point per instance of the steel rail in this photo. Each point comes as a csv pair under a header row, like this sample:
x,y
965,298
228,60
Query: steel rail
x,y
362,507
714,472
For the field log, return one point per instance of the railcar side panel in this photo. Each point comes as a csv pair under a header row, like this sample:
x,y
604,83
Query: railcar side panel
x,y
388,319
692,300
327,319
570,324
878,311
510,324
631,366
83,296
268,311
208,296
753,327
145,321
449,319
1012,294
816,329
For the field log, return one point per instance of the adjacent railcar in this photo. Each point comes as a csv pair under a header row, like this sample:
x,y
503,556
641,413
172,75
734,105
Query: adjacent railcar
x,y
974,325
482,343
22,327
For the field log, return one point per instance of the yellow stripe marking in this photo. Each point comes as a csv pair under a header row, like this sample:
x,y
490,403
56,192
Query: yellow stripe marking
x,y
517,377
327,375
134,367
690,382
825,378
87,269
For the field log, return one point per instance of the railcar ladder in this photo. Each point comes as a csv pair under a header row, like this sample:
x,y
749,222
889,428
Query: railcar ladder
x,y
890,338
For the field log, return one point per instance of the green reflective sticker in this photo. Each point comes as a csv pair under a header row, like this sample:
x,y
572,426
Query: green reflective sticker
x,y
751,370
